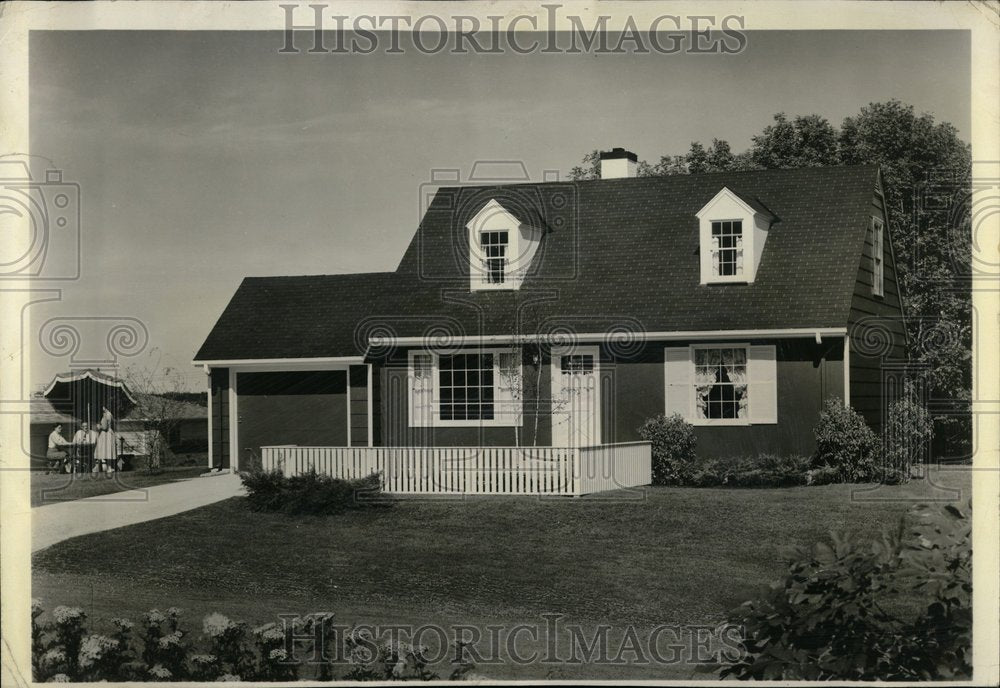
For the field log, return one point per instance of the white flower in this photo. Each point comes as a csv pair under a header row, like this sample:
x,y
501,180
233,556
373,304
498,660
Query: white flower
x,y
53,656
155,616
204,659
59,678
216,624
277,655
36,607
170,639
94,648
160,671
228,677
65,615
123,624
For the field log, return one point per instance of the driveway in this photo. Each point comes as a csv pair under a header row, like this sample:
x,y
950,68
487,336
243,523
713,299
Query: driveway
x,y
57,522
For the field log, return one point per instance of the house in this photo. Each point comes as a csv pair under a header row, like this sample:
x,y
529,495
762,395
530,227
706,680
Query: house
x,y
565,314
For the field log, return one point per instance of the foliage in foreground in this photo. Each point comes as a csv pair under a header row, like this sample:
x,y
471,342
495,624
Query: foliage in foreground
x,y
161,649
310,492
839,612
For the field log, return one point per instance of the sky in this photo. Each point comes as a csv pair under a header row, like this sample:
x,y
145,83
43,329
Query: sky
x,y
205,157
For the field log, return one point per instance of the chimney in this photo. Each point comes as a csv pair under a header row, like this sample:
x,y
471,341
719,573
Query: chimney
x,y
617,163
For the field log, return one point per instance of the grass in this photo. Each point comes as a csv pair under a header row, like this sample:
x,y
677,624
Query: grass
x,y
61,487
678,556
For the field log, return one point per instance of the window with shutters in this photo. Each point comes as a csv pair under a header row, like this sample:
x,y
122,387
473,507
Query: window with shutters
x,y
476,387
721,384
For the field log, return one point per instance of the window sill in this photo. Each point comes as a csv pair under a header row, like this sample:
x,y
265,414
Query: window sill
x,y
719,421
741,280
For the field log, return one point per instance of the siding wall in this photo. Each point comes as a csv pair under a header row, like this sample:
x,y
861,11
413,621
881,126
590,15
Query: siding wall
x,y
291,407
632,390
876,327
220,418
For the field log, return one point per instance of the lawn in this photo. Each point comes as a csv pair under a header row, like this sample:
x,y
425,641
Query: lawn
x,y
61,487
676,556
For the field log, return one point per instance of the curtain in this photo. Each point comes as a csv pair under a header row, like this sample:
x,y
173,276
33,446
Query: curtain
x,y
725,366
706,375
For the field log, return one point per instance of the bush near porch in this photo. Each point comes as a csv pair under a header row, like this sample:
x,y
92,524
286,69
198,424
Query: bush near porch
x,y
847,451
310,493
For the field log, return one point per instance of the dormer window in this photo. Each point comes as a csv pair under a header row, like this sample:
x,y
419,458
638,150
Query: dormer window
x,y
732,230
727,248
494,246
501,247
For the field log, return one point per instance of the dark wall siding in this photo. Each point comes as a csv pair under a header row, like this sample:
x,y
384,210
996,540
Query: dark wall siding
x,y
876,326
807,374
358,376
632,390
304,407
220,418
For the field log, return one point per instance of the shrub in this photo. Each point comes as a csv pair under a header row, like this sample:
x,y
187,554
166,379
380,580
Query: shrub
x,y
63,650
840,613
846,443
763,470
908,433
309,492
673,443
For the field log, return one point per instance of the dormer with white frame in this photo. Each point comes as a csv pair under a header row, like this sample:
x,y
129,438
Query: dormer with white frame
x,y
501,248
732,232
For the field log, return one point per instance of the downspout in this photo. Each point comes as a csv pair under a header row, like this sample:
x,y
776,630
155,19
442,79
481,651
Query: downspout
x,y
847,370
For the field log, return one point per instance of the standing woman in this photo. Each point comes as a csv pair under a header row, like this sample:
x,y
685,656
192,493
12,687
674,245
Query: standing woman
x,y
105,451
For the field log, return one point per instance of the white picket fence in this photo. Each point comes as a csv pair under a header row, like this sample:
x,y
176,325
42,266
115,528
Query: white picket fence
x,y
475,470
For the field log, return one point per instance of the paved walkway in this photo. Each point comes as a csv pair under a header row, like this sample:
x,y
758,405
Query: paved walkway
x,y
57,522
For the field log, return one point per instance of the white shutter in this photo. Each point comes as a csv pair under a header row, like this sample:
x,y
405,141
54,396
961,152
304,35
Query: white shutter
x,y
509,386
677,371
421,382
762,375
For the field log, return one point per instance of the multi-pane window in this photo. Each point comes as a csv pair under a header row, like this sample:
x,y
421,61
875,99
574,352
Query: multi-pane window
x,y
878,265
494,247
577,363
727,248
465,385
720,381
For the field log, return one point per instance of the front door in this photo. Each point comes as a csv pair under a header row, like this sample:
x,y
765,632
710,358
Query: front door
x,y
576,418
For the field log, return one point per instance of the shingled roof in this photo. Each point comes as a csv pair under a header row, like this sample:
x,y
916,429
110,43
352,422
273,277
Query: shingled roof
x,y
619,254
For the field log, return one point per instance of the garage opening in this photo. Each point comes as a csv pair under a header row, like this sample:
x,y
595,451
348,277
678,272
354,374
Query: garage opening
x,y
307,408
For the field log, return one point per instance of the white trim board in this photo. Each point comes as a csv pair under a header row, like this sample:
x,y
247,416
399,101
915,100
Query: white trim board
x,y
284,363
709,335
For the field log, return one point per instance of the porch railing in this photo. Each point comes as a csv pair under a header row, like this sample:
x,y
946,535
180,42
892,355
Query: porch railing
x,y
570,471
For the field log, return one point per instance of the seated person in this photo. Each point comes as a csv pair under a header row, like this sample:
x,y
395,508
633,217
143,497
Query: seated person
x,y
56,455
85,435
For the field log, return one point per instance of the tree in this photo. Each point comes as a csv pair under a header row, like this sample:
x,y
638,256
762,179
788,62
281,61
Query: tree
x,y
807,141
589,167
927,170
158,391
